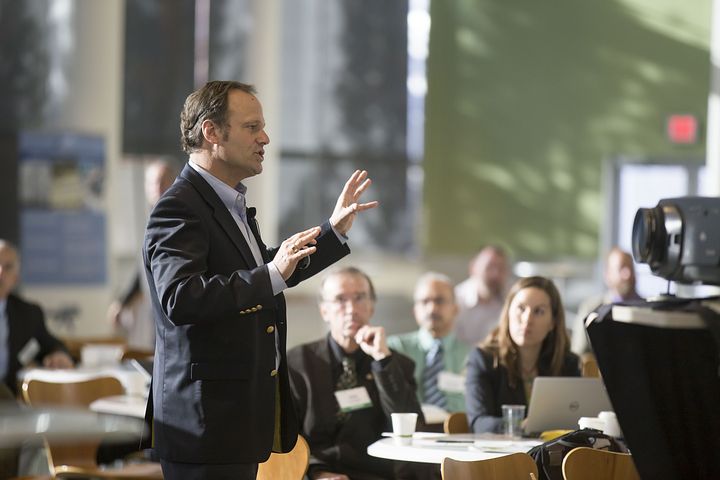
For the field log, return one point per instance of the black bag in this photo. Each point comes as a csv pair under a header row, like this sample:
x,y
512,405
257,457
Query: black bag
x,y
549,456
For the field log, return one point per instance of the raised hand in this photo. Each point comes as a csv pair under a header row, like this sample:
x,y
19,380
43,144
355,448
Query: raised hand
x,y
372,340
294,249
347,206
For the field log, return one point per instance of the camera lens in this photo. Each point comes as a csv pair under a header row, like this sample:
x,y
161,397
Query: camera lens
x,y
648,235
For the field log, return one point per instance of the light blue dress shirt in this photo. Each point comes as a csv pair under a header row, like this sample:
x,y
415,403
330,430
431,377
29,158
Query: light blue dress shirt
x,y
417,344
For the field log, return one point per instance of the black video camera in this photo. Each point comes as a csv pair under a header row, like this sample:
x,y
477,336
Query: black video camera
x,y
680,239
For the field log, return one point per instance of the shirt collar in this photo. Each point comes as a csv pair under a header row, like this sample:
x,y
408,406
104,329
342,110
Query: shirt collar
x,y
338,353
227,194
426,340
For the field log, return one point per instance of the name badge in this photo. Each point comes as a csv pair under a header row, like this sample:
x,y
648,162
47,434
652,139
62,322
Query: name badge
x,y
353,399
451,382
28,352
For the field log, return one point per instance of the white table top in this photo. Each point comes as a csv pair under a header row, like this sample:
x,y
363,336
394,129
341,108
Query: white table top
x,y
127,405
429,447
18,425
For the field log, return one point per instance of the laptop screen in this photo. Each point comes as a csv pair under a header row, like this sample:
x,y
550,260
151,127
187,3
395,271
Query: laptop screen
x,y
559,402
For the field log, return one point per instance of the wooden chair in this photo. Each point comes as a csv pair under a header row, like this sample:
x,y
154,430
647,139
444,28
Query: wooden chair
x,y
585,463
72,460
589,366
286,466
456,422
517,466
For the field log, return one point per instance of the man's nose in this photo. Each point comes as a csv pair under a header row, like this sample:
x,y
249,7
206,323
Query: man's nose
x,y
264,138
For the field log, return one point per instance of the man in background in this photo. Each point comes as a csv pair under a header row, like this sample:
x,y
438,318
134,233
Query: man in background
x,y
346,384
131,314
620,282
439,357
24,338
480,297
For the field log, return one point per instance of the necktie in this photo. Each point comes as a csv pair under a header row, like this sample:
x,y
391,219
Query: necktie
x,y
347,379
434,364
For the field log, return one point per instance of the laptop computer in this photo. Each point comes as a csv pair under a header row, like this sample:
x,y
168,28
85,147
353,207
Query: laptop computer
x,y
559,402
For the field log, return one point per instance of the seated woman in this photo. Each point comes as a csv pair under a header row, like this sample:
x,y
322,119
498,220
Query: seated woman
x,y
529,341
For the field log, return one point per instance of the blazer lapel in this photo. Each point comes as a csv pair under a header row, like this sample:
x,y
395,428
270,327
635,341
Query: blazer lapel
x,y
220,213
324,377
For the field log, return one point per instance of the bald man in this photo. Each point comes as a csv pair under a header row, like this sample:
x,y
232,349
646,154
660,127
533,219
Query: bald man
x,y
24,339
620,283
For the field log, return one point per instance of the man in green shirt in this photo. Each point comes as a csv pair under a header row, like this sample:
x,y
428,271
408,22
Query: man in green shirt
x,y
439,357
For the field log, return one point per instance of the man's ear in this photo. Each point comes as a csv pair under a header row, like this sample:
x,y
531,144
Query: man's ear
x,y
211,133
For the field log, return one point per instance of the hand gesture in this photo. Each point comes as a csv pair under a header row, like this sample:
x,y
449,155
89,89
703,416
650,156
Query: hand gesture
x,y
372,340
347,206
294,249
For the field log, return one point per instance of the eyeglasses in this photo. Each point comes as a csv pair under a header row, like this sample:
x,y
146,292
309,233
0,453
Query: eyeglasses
x,y
439,301
359,299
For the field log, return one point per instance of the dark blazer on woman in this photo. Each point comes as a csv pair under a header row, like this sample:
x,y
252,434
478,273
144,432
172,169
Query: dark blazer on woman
x,y
487,388
26,323
215,376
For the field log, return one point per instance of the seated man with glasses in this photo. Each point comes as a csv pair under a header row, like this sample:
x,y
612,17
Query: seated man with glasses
x,y
346,384
439,356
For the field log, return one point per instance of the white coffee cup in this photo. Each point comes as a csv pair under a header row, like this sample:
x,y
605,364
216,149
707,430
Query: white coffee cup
x,y
100,355
403,427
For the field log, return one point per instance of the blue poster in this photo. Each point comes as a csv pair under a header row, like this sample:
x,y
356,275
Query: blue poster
x,y
62,220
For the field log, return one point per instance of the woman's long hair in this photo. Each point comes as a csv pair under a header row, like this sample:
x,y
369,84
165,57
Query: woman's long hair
x,y
555,346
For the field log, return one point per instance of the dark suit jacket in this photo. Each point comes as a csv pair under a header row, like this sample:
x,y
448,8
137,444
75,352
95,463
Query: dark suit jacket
x,y
25,322
342,447
215,377
487,388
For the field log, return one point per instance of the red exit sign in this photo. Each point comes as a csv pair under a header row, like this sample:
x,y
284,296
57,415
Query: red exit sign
x,y
682,129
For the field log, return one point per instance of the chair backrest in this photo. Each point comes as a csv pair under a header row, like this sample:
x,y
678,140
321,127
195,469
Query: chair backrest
x,y
517,466
585,463
69,394
286,466
456,422
589,366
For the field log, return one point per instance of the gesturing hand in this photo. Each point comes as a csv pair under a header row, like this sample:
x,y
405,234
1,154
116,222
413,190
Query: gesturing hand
x,y
347,206
294,249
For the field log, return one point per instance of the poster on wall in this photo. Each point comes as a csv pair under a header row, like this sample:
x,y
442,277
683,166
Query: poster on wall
x,y
62,220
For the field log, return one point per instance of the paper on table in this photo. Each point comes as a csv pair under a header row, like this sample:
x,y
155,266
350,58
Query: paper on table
x,y
502,444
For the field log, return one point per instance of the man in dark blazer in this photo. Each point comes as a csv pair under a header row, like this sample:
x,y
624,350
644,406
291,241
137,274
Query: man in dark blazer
x,y
220,395
24,339
338,428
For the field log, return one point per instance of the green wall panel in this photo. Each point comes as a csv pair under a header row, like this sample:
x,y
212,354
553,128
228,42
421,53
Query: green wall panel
x,y
526,98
